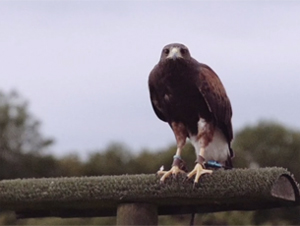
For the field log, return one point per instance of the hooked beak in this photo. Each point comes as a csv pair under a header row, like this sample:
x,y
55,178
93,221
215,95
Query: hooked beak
x,y
174,53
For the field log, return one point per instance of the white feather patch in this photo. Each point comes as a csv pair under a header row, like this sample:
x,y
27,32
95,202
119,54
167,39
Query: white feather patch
x,y
217,149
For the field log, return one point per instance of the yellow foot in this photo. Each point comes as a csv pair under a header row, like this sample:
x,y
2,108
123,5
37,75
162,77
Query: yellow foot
x,y
173,171
198,171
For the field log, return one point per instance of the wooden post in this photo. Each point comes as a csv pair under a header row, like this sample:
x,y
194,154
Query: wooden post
x,y
137,214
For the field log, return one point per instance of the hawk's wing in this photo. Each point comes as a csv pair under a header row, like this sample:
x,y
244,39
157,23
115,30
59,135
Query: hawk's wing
x,y
154,95
216,99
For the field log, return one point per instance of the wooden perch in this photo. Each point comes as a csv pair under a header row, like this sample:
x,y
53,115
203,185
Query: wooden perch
x,y
237,189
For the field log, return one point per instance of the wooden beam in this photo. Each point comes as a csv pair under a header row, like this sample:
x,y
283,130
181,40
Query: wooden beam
x,y
237,189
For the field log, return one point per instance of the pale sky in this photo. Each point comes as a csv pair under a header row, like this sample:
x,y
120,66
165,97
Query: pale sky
x,y
84,65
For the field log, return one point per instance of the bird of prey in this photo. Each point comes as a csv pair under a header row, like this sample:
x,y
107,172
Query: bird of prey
x,y
190,97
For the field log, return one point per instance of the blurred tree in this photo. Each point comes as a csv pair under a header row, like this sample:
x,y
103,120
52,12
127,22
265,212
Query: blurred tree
x,y
71,165
20,139
270,144
150,161
116,159
111,161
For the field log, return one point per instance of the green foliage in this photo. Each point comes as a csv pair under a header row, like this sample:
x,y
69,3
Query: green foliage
x,y
268,144
21,142
71,165
225,218
114,160
19,130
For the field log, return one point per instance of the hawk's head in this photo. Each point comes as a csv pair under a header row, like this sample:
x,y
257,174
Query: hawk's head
x,y
175,51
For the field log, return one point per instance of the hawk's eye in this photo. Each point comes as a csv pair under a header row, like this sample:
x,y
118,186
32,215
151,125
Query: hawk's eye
x,y
166,51
183,51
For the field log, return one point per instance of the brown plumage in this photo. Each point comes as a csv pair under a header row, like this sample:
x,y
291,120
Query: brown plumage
x,y
190,97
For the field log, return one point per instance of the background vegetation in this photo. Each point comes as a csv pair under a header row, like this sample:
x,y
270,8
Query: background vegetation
x,y
23,155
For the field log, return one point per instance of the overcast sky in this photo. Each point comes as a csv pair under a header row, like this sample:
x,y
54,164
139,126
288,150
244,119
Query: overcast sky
x,y
84,65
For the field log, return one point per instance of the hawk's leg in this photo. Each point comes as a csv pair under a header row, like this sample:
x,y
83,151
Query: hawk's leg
x,y
199,169
178,165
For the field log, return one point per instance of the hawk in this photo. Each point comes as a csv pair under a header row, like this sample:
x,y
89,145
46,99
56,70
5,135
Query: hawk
x,y
190,97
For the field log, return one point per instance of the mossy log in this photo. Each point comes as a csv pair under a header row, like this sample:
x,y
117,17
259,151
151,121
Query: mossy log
x,y
237,189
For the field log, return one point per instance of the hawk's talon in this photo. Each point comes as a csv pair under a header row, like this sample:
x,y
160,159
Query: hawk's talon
x,y
173,171
194,184
198,171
